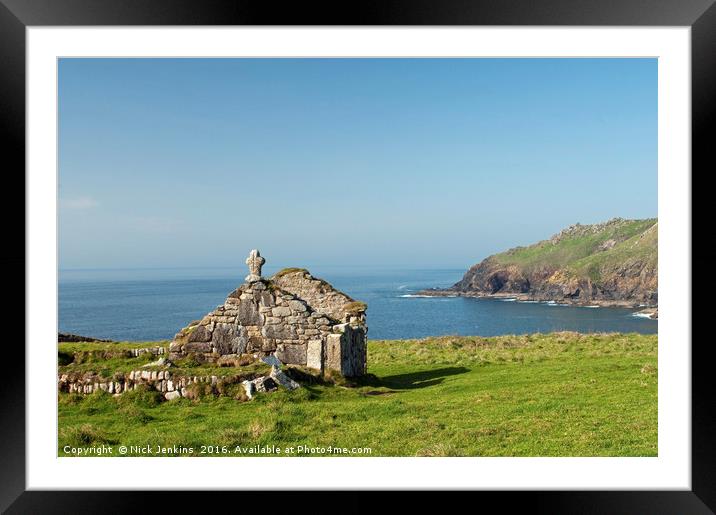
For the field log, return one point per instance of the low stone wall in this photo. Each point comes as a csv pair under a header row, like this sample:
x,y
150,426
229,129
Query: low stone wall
x,y
157,351
161,380
109,353
174,387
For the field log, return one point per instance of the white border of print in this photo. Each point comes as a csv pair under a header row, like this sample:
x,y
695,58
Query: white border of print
x,y
671,469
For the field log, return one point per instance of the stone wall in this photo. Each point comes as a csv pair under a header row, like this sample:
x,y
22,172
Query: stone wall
x,y
292,315
255,319
320,295
156,351
346,351
161,380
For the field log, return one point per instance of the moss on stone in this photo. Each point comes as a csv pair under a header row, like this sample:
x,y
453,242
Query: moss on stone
x,y
273,287
287,271
355,307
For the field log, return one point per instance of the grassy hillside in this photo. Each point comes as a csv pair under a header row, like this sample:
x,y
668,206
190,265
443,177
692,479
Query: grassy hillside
x,y
581,247
611,262
641,247
561,394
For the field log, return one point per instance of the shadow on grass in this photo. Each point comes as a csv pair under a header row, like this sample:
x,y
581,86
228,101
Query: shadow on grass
x,y
393,383
412,380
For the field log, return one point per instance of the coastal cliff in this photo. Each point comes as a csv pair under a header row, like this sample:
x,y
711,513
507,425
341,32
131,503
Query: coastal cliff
x,y
611,263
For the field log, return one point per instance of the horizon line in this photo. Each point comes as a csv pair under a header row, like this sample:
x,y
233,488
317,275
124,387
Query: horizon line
x,y
241,266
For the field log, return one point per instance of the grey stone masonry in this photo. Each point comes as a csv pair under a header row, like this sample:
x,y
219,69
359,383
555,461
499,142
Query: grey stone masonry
x,y
298,318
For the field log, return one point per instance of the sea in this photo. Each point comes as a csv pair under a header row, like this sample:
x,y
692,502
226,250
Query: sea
x,y
153,304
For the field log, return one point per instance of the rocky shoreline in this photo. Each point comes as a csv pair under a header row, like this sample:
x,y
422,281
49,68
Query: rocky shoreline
x,y
74,338
646,311
652,313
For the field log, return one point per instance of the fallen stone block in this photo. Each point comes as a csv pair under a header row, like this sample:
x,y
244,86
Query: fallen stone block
x,y
158,363
272,360
265,384
170,396
249,388
280,377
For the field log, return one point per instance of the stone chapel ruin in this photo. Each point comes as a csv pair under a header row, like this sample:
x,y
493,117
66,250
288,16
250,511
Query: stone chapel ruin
x,y
292,315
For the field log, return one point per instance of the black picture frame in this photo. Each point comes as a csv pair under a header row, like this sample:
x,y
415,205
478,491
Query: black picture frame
x,y
700,15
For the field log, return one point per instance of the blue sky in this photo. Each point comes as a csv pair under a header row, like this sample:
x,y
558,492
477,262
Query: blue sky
x,y
395,162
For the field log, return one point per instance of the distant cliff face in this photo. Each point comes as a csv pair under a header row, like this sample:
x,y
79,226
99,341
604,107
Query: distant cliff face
x,y
613,261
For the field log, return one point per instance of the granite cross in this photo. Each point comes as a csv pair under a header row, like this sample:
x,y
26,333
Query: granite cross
x,y
255,261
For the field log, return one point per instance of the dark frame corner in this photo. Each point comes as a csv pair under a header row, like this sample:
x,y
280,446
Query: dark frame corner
x,y
700,15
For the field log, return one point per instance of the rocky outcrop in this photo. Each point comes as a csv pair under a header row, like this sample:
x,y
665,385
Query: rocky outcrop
x,y
610,263
652,313
69,337
292,315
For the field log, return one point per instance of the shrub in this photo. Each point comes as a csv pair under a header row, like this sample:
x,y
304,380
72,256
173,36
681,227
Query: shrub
x,y
84,435
231,387
199,390
134,414
97,401
142,396
64,358
190,361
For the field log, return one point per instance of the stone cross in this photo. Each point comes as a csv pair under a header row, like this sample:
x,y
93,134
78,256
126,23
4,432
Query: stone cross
x,y
255,262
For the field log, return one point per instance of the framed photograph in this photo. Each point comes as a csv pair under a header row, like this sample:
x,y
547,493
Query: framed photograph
x,y
437,248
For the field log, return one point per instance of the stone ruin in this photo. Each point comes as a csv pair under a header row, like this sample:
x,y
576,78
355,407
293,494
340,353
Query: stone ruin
x,y
292,315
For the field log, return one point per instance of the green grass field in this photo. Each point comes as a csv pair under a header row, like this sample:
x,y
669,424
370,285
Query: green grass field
x,y
561,394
